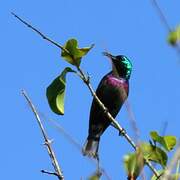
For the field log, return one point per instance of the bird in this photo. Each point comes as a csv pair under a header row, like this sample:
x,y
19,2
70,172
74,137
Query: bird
x,y
112,91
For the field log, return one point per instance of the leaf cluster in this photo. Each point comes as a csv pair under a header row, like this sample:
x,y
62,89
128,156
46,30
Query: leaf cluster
x,y
56,90
174,36
155,151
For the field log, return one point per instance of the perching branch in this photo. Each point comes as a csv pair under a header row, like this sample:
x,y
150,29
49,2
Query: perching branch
x,y
47,142
86,80
115,123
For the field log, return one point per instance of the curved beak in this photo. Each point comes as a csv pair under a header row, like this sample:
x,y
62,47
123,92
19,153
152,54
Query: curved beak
x,y
109,55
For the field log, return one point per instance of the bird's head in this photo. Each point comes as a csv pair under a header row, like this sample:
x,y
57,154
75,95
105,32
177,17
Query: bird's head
x,y
122,66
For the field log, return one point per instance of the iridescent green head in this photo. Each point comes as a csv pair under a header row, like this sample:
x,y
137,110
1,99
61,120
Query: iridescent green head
x,y
121,65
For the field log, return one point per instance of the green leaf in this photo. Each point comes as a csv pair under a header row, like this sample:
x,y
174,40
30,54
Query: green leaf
x,y
153,153
96,176
174,36
133,163
170,142
167,142
74,54
56,92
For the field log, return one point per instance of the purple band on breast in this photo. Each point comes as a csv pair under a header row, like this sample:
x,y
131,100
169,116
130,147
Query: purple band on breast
x,y
116,82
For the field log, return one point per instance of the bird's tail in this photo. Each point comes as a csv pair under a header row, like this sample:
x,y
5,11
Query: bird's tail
x,y
90,148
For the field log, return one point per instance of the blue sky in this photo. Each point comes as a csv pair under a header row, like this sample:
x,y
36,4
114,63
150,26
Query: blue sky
x,y
28,62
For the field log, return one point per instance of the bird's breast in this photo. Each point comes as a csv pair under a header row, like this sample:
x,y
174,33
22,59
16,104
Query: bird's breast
x,y
116,82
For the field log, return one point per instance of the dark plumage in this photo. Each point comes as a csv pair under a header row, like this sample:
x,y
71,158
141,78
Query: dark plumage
x,y
113,90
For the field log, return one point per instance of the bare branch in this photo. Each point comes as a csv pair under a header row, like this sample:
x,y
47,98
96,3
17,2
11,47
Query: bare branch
x,y
73,141
51,153
38,32
161,15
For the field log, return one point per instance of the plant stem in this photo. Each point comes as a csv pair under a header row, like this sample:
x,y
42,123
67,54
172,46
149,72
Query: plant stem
x,y
41,34
49,172
47,142
115,123
86,80
161,15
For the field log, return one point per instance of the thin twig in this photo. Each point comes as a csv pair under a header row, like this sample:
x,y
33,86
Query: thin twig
x,y
136,134
161,15
86,80
51,153
41,34
165,22
177,169
73,141
133,122
49,172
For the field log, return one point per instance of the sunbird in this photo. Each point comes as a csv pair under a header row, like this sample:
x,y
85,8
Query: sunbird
x,y
112,90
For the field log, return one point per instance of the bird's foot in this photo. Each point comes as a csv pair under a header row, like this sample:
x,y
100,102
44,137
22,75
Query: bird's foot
x,y
105,110
49,141
97,157
122,132
87,79
91,154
